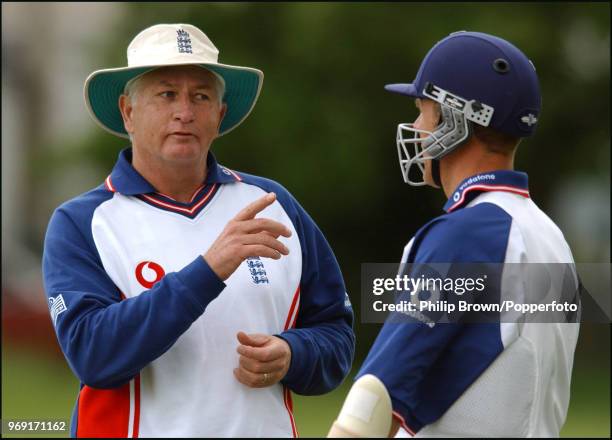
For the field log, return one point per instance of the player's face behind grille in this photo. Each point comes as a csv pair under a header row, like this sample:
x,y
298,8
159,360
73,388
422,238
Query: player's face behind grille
x,y
413,140
409,151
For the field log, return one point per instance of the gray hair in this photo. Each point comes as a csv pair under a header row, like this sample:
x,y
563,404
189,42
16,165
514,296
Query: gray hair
x,y
131,88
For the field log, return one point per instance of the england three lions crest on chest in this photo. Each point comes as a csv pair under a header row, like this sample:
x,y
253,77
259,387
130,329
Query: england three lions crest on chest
x,y
257,270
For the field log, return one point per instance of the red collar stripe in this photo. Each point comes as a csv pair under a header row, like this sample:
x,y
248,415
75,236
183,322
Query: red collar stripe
x,y
109,184
238,178
504,188
189,211
196,192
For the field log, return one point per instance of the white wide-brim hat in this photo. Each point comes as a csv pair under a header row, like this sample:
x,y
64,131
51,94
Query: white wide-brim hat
x,y
170,45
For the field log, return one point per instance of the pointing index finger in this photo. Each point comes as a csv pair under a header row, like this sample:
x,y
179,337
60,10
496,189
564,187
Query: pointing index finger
x,y
251,210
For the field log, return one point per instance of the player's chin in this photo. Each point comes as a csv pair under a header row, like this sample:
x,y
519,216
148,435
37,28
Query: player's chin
x,y
183,149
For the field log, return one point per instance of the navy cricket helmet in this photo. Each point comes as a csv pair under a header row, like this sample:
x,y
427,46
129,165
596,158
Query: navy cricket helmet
x,y
476,78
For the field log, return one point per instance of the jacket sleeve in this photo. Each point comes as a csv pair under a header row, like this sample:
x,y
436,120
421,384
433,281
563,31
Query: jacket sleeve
x,y
105,339
322,342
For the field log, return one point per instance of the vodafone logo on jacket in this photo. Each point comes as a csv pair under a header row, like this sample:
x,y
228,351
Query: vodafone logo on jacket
x,y
148,273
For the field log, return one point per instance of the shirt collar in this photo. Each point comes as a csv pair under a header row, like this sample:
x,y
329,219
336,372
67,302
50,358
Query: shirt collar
x,y
126,180
502,180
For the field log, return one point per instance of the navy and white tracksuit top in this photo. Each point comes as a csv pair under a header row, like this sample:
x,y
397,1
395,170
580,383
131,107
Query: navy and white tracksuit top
x,y
471,380
150,330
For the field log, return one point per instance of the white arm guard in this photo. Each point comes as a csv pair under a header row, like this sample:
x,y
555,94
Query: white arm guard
x,y
366,411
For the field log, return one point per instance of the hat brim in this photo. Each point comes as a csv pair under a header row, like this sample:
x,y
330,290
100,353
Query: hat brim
x,y
404,89
103,88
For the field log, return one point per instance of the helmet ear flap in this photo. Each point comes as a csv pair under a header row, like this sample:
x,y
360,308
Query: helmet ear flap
x,y
453,131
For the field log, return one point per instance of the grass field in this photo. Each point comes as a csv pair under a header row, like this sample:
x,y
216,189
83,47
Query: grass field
x,y
36,387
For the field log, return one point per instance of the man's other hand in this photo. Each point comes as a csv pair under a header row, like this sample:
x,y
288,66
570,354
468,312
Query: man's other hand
x,y
264,359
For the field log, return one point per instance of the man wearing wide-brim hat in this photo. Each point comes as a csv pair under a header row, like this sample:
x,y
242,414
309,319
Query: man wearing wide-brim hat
x,y
189,299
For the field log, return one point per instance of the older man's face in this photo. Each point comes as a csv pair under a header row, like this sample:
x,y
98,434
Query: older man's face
x,y
174,114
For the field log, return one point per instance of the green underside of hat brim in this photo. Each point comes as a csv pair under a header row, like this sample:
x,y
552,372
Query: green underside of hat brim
x,y
103,91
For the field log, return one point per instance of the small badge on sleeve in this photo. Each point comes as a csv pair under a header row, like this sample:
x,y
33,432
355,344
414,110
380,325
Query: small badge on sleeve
x,y
347,301
56,306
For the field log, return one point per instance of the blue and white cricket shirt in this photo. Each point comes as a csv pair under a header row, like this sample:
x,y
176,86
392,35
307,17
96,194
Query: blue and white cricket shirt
x,y
150,330
469,380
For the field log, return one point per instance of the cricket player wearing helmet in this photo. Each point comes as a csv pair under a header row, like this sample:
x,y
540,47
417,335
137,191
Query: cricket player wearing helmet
x,y
478,96
189,299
